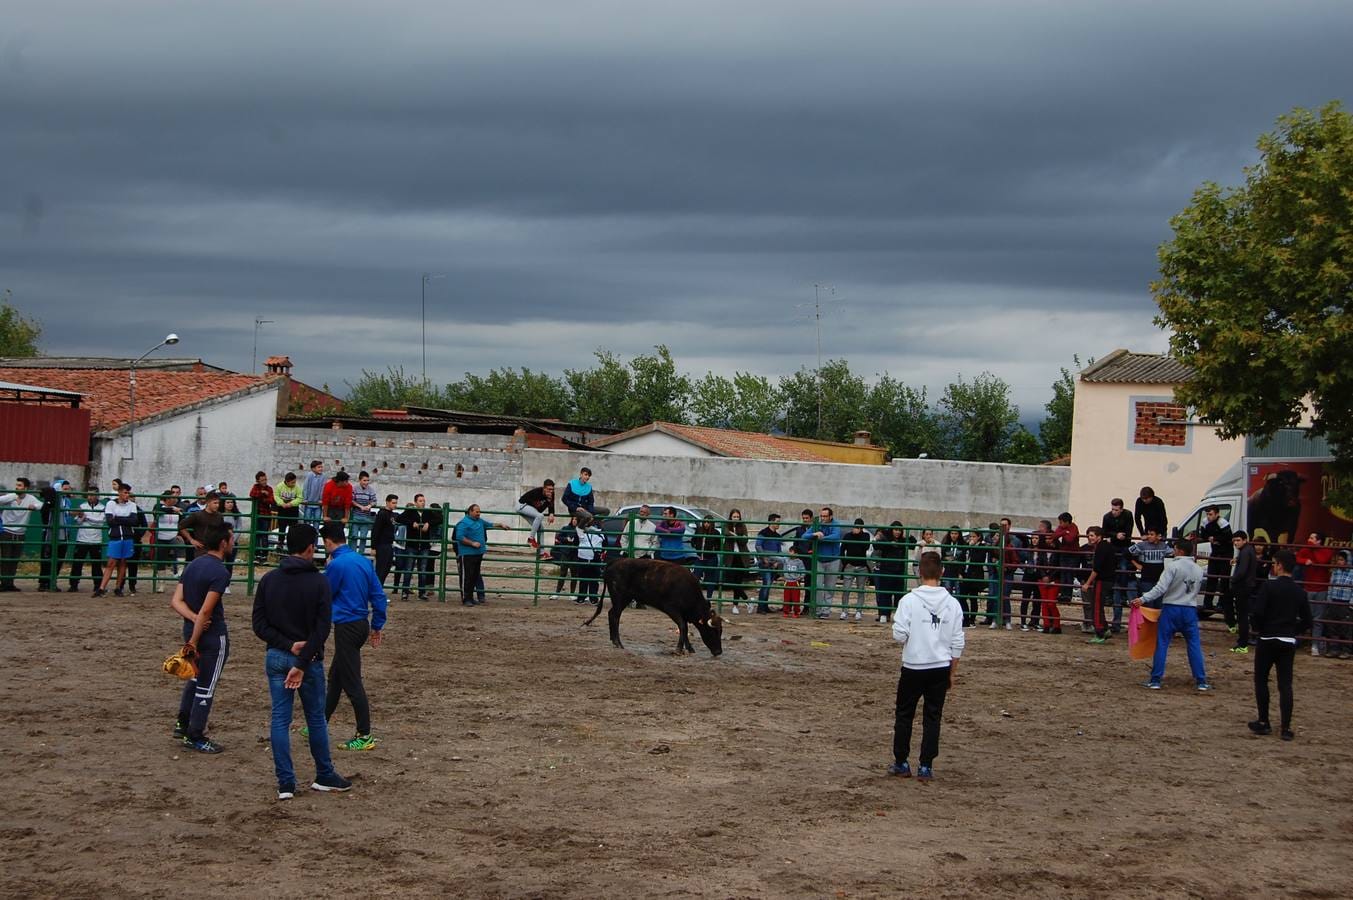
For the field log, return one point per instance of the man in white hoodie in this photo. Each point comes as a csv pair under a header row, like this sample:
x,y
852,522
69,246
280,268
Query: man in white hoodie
x,y
929,625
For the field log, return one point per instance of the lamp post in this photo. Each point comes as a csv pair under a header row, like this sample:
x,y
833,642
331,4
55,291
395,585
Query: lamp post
x,y
169,339
427,276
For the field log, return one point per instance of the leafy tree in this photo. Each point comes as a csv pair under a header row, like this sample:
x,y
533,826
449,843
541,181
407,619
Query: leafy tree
x,y
745,402
392,390
1055,431
900,418
1255,286
978,418
1025,448
827,405
510,392
18,335
660,392
600,394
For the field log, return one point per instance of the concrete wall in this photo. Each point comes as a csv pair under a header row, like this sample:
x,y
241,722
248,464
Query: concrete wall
x,y
39,471
916,491
1105,464
226,441
655,443
406,463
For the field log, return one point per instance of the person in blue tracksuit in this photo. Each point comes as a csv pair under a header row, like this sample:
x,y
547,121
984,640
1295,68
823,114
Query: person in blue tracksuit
x,y
359,606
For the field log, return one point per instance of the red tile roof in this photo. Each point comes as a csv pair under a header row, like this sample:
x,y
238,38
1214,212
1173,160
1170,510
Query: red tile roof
x,y
157,392
724,442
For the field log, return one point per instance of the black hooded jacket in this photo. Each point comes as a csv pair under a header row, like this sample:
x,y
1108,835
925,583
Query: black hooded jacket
x,y
293,603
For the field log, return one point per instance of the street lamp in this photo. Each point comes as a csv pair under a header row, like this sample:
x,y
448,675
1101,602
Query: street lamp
x,y
259,322
170,339
427,276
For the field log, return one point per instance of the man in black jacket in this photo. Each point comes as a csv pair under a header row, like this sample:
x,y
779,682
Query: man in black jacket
x,y
383,536
1244,581
1149,512
1217,532
1280,613
292,616
423,526
1117,527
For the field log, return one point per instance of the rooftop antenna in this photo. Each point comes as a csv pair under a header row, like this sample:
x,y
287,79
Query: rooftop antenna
x,y
259,322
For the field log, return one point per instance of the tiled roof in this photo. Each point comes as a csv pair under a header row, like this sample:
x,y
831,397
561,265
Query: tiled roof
x,y
724,442
157,391
1124,367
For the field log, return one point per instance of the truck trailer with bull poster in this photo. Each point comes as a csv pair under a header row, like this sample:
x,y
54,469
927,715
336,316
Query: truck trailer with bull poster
x,y
1278,493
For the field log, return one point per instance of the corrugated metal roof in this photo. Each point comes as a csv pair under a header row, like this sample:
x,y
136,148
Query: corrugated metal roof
x,y
1124,367
1295,443
34,389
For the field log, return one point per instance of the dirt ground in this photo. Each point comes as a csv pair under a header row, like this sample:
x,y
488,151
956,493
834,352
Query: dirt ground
x,y
522,755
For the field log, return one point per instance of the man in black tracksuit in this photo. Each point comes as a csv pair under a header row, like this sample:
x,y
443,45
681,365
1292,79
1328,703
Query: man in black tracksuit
x,y
1244,582
1279,613
383,536
1217,532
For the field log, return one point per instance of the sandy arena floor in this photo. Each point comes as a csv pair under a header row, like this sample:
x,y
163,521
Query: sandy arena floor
x,y
521,755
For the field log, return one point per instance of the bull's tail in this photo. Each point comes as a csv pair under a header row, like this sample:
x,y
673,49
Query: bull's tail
x,y
601,602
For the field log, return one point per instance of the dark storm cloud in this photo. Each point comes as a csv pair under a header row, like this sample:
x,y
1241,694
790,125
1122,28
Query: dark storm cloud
x,y
606,174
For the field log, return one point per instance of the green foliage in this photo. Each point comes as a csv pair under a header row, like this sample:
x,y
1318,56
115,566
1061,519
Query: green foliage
x,y
392,390
827,405
509,392
900,418
1255,287
1025,448
660,392
745,402
18,335
978,418
1055,431
600,394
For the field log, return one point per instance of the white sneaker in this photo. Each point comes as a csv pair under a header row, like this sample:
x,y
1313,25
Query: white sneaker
x,y
858,615
554,596
844,615
736,611
1024,628
1009,627
884,618
992,626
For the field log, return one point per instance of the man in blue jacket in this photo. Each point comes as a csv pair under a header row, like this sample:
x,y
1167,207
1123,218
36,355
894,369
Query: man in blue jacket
x,y
828,535
357,594
471,536
578,493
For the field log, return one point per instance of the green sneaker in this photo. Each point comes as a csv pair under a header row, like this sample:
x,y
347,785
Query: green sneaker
x,y
305,731
360,742
1099,640
1240,649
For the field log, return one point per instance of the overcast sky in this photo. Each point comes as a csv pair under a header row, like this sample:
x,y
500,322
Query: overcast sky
x,y
983,185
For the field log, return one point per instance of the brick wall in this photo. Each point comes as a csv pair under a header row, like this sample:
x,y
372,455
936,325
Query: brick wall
x,y
1149,431
452,469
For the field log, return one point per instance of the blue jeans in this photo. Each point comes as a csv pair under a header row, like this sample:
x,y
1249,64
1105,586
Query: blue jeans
x,y
277,663
768,573
1178,620
359,533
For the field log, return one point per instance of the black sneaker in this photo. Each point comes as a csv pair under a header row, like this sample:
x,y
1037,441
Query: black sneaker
x,y
180,731
286,791
335,783
1288,735
99,592
202,745
1260,727
131,589
117,592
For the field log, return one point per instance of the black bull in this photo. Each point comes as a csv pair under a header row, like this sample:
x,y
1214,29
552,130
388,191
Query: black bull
x,y
667,586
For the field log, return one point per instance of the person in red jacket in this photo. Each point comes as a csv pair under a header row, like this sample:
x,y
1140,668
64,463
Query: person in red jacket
x,y
337,498
1315,559
1067,540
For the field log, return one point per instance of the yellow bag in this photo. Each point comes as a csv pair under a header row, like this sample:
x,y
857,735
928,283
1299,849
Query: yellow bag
x,y
183,664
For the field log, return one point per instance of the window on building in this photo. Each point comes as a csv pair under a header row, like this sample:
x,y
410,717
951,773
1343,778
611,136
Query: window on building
x,y
1158,422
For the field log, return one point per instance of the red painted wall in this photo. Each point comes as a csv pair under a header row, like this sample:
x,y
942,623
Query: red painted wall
x,y
54,434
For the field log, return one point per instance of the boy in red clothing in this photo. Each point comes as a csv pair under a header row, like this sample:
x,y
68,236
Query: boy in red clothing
x,y
1067,540
1315,558
337,498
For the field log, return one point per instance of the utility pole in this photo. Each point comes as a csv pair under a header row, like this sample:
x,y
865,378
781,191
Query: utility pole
x,y
817,318
259,321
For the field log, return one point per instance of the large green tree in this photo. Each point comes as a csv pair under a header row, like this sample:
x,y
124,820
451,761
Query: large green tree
x,y
18,335
1255,287
600,394
745,402
392,389
1055,431
978,419
900,418
509,392
827,404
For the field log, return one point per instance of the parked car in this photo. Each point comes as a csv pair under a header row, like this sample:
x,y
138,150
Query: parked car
x,y
616,526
